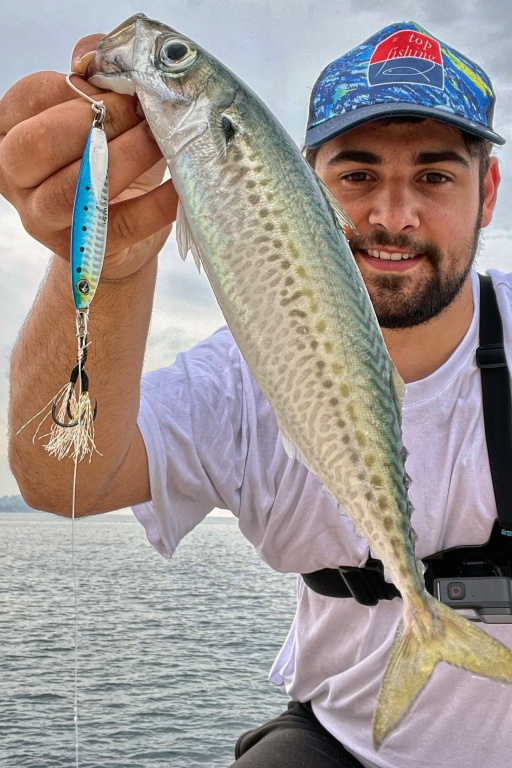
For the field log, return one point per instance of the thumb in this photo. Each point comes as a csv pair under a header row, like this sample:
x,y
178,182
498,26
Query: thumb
x,y
83,52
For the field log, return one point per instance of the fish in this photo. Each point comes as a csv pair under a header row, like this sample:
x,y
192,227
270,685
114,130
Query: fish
x,y
271,240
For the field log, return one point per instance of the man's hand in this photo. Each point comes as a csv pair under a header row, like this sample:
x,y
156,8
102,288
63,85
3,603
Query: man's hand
x,y
43,128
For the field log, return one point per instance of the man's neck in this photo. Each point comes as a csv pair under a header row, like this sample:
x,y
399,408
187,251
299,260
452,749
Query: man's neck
x,y
417,352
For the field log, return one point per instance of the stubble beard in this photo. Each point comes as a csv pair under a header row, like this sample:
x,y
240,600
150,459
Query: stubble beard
x,y
400,304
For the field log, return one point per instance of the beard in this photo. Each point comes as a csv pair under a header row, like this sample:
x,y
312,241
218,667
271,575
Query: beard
x,y
400,304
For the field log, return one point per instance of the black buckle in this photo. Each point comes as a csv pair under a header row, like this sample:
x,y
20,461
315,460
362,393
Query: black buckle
x,y
491,356
358,584
367,585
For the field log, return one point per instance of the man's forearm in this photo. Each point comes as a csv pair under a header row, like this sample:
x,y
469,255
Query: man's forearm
x,y
41,363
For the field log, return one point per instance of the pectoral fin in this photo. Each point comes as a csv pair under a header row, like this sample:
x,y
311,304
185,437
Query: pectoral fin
x,y
185,238
341,216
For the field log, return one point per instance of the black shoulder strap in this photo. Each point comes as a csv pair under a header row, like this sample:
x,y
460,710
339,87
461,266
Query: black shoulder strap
x,y
367,585
497,401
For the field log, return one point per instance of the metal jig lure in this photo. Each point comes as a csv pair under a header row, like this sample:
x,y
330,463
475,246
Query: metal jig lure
x,y
72,431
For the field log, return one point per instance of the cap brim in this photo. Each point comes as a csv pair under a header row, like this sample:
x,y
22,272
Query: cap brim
x,y
335,126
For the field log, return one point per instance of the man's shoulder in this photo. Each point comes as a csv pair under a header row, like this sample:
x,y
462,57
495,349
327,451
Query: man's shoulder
x,y
215,361
502,282
219,351
220,342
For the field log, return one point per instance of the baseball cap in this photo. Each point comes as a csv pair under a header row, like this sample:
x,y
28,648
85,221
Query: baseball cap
x,y
402,70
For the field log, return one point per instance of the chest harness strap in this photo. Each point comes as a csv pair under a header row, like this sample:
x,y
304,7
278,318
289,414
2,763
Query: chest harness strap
x,y
367,585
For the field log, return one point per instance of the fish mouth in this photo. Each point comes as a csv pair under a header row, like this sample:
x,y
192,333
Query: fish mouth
x,y
113,57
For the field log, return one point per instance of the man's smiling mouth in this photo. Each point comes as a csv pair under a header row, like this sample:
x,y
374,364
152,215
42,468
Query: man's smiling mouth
x,y
390,256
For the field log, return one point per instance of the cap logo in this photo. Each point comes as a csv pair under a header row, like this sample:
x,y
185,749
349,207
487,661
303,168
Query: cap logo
x,y
408,57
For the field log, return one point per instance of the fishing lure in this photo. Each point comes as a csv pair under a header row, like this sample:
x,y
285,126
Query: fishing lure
x,y
72,431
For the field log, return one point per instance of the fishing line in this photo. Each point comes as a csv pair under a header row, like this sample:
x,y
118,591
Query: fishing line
x,y
79,329
73,571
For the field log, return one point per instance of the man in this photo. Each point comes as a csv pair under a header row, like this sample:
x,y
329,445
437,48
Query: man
x,y
399,131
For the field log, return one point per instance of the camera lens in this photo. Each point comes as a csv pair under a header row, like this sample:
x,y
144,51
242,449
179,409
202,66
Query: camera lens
x,y
456,590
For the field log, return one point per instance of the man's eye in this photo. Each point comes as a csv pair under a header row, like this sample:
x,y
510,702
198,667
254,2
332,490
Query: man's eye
x,y
435,178
355,177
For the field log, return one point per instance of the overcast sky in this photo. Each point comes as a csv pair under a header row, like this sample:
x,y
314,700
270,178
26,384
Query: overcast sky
x,y
278,48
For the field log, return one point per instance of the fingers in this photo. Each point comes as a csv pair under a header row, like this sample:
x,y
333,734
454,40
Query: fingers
x,y
34,94
43,128
54,139
40,155
131,222
131,156
30,96
134,220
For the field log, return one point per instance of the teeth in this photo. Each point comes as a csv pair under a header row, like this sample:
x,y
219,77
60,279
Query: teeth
x,y
390,256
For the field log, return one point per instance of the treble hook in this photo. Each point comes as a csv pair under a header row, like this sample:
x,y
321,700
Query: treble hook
x,y
73,378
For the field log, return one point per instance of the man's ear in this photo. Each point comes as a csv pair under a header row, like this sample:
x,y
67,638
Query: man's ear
x,y
491,183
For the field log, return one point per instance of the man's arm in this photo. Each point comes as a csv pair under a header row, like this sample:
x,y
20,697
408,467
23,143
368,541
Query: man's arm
x,y
41,362
43,128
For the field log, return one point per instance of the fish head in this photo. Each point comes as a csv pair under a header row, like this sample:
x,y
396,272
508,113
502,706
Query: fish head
x,y
180,86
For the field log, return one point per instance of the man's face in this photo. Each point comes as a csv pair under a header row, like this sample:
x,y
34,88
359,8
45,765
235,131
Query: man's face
x,y
412,192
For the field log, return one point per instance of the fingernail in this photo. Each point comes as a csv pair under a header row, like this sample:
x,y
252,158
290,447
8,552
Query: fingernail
x,y
80,66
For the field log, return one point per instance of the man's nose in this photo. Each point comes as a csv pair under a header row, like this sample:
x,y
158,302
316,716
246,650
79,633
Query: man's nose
x,y
395,208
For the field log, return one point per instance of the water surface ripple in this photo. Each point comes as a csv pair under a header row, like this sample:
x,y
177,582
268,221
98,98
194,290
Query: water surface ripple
x,y
173,656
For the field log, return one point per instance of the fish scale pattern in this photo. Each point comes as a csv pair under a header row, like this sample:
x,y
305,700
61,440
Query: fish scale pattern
x,y
287,283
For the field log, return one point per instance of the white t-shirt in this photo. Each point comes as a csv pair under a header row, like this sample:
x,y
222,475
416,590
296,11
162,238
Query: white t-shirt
x,y
212,441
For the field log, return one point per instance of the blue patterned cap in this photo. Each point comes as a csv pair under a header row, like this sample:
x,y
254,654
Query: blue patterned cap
x,y
401,71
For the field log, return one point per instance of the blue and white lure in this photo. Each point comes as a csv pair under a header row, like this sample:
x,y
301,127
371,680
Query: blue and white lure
x,y
72,431
90,215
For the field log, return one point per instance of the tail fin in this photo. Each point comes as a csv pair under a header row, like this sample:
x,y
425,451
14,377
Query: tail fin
x,y
413,658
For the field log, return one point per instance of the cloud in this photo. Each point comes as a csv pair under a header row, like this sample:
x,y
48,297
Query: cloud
x,y
185,310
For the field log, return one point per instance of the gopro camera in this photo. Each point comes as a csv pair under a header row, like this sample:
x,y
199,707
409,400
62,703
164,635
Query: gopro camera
x,y
480,598
476,581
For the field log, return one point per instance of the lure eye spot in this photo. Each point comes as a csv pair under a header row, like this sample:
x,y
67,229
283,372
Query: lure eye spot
x,y
83,286
79,269
84,229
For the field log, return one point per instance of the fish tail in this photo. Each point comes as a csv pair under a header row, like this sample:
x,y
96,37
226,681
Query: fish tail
x,y
446,637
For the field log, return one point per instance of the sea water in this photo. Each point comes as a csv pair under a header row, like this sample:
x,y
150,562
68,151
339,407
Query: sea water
x,y
173,656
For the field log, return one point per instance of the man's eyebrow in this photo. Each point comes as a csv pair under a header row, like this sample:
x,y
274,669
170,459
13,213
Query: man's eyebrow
x,y
423,158
355,156
431,158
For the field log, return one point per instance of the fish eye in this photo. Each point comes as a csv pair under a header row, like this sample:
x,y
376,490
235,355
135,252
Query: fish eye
x,y
177,55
